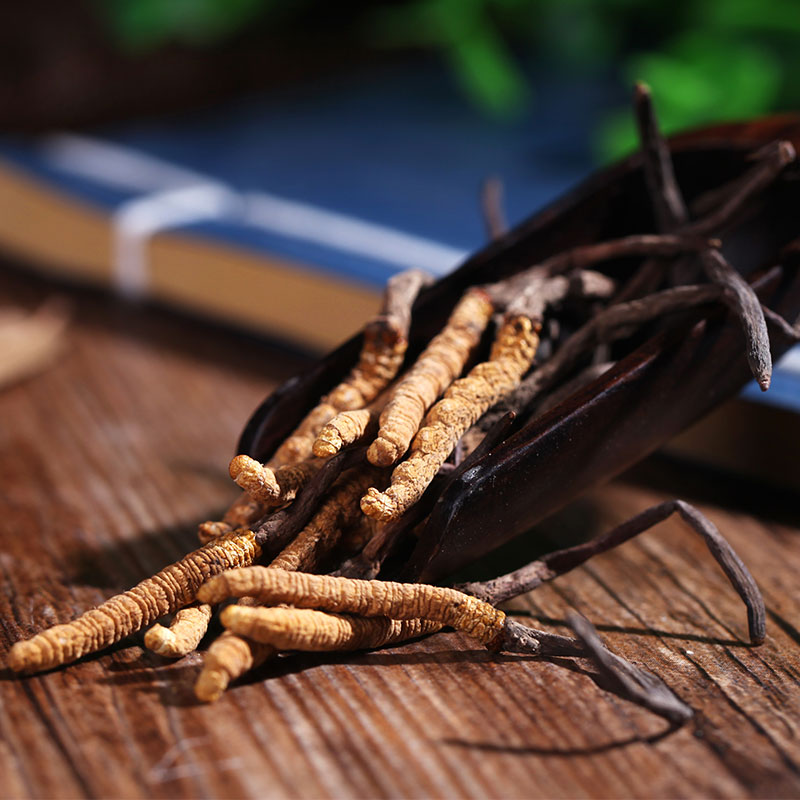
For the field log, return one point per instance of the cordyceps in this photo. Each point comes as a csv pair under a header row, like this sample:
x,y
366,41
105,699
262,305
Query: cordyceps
x,y
509,344
167,591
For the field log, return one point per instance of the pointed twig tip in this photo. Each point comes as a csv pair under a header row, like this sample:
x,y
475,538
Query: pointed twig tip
x,y
786,151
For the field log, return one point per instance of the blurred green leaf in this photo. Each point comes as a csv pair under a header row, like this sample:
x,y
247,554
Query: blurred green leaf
x,y
749,16
488,74
697,81
147,24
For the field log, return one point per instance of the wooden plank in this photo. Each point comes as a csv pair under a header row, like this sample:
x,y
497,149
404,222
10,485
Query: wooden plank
x,y
109,460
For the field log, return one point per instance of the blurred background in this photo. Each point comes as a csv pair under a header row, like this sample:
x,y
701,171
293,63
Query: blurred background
x,y
259,163
79,63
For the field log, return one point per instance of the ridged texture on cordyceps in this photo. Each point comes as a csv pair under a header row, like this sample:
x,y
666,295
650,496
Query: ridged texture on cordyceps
x,y
363,598
340,510
345,428
316,631
167,591
438,366
463,404
183,634
229,657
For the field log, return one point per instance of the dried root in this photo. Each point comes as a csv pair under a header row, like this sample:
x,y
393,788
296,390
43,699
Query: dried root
x,y
464,402
168,590
441,362
183,634
315,631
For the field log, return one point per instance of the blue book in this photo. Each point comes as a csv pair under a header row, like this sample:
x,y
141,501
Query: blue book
x,y
286,213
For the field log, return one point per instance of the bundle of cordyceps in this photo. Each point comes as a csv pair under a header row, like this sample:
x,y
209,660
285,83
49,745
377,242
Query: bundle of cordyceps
x,y
361,471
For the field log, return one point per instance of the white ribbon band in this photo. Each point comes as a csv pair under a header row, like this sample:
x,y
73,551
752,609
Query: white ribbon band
x,y
177,196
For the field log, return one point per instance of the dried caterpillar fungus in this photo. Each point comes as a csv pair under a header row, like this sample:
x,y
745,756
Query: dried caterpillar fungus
x,y
463,404
318,631
338,511
167,591
345,428
385,343
229,657
440,363
183,634
363,598
271,487
242,513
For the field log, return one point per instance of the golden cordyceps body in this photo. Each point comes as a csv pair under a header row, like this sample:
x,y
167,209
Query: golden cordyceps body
x,y
316,631
254,478
364,598
272,487
183,634
242,513
385,343
167,591
441,362
345,428
339,511
298,446
229,657
463,404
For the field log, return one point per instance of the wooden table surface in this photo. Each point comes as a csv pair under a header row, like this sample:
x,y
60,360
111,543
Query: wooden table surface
x,y
109,459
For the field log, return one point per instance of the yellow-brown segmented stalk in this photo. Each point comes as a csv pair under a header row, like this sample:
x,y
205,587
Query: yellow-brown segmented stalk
x,y
364,598
385,344
382,354
463,403
345,428
168,590
229,657
338,511
183,634
316,631
440,363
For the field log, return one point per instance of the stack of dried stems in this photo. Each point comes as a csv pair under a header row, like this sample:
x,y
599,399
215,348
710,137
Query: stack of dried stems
x,y
364,467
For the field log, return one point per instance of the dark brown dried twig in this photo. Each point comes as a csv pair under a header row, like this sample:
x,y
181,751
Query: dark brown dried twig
x,y
612,323
632,682
558,563
276,530
773,159
739,296
494,217
784,326
665,194
629,681
634,246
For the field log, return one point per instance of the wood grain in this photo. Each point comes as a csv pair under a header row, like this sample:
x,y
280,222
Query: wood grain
x,y
108,461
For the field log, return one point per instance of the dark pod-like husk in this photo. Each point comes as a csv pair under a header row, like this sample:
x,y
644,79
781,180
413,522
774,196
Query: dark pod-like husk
x,y
661,387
